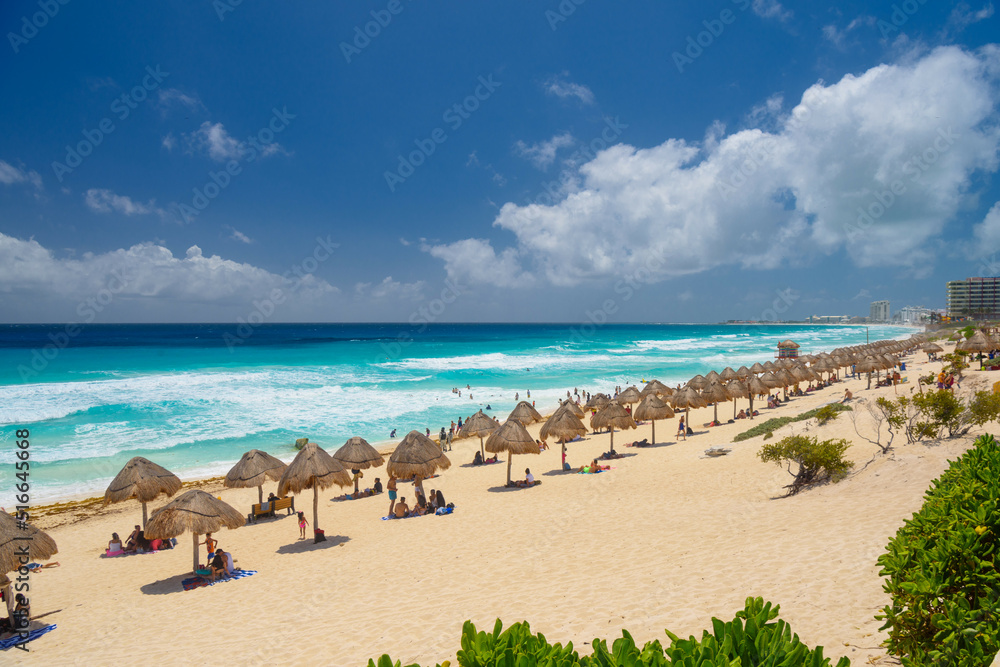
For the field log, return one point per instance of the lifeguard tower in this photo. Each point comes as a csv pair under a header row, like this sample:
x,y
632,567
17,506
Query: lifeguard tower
x,y
788,349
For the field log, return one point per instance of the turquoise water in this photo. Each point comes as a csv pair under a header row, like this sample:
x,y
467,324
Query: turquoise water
x,y
193,398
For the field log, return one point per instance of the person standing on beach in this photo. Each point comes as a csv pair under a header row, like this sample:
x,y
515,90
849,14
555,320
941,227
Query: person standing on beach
x,y
391,486
418,483
302,525
681,428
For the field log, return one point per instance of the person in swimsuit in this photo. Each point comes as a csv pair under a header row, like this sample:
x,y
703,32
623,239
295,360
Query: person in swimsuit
x,y
681,430
402,509
302,525
391,485
210,544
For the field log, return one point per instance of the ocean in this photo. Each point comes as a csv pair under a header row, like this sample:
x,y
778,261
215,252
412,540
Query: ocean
x,y
195,397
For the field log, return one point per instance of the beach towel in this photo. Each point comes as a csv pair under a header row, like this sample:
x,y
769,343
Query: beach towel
x,y
441,511
11,642
198,582
122,554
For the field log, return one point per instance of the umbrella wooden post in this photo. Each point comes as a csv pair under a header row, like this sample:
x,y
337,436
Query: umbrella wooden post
x,y
315,507
510,461
715,417
356,485
751,406
260,494
194,538
482,452
612,439
144,516
654,430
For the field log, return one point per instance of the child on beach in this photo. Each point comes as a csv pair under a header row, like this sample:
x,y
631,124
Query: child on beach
x,y
302,525
681,430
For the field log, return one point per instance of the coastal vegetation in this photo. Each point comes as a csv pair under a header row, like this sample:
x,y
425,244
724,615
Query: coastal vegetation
x,y
754,637
926,416
818,461
940,568
824,413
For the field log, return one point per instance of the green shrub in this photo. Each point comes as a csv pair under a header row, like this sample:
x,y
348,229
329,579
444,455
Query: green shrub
x,y
768,435
828,413
777,422
752,639
940,568
817,462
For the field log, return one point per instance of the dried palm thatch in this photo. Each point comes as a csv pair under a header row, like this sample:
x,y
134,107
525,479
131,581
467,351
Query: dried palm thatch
x,y
597,401
524,413
253,469
978,342
743,372
728,374
143,480
416,454
652,408
15,538
479,424
572,408
312,468
612,416
698,382
736,389
758,368
563,425
512,438
656,388
629,396
715,393
688,398
194,511
357,454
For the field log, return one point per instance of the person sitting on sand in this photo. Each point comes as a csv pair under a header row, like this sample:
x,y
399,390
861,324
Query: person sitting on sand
x,y
439,499
847,396
218,564
115,545
477,460
432,501
402,509
742,415
21,615
131,544
542,445
377,487
529,479
493,460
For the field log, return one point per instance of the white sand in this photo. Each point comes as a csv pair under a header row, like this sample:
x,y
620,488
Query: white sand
x,y
666,539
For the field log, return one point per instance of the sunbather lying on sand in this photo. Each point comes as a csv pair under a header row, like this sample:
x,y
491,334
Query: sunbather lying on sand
x,y
593,468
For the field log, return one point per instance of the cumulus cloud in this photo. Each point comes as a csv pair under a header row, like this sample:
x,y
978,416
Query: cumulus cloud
x,y
101,200
771,9
560,87
543,154
390,289
987,234
237,235
168,97
11,175
475,261
215,141
963,16
146,277
880,160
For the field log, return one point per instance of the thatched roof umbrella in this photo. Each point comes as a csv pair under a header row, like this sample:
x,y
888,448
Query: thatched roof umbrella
x,y
756,387
597,401
629,397
417,454
743,372
715,393
612,416
728,374
770,380
931,348
312,468
652,408
757,369
657,388
688,398
572,408
563,425
524,413
736,389
194,511
978,342
478,425
512,438
712,376
143,480
20,545
253,469
698,382
769,366
357,454
868,365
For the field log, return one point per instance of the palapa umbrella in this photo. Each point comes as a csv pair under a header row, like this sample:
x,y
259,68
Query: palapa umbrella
x,y
253,469
512,438
194,511
756,388
698,382
728,374
652,408
612,416
20,544
478,425
417,454
715,393
978,342
736,389
868,365
563,425
743,372
758,368
597,401
572,408
769,366
688,398
931,348
657,388
524,413
143,480
312,468
357,454
629,397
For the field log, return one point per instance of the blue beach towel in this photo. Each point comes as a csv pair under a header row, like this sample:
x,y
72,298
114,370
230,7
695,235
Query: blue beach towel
x,y
11,642
198,582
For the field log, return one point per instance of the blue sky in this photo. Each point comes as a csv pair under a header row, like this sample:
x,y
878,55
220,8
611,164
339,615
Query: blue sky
x,y
535,161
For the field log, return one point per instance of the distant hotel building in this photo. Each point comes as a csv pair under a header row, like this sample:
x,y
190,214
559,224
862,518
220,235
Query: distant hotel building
x,y
974,297
879,311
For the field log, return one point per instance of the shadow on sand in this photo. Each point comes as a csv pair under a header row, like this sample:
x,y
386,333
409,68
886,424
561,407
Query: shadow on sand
x,y
302,546
169,585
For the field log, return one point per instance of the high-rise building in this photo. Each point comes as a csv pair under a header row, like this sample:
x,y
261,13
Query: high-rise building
x,y
974,297
879,311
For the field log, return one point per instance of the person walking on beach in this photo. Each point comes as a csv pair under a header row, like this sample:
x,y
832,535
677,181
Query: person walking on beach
x,y
302,525
681,428
391,486
210,545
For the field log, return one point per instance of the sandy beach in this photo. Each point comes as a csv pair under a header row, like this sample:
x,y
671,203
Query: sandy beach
x,y
667,538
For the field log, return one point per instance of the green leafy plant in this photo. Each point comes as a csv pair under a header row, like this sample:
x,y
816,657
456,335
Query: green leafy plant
x,y
827,413
940,568
817,462
777,422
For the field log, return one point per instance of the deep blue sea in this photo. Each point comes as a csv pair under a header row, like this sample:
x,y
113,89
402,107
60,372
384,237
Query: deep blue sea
x,y
193,398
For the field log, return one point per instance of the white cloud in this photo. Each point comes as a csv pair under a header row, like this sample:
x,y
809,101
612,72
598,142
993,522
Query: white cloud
x,y
862,294
146,277
216,142
169,141
11,175
562,88
987,234
475,261
172,96
390,289
543,154
237,235
963,16
104,201
763,199
771,9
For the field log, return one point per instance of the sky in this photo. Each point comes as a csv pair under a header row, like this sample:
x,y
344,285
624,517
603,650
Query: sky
x,y
549,161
